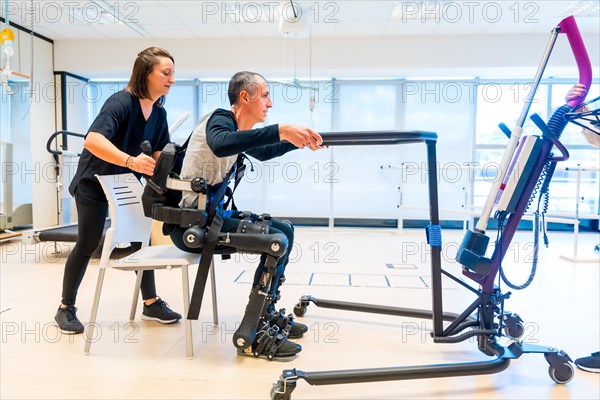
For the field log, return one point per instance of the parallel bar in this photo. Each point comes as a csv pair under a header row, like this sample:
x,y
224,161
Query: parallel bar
x,y
376,138
436,252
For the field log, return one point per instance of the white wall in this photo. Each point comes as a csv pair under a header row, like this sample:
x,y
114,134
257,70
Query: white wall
x,y
42,123
487,56
36,124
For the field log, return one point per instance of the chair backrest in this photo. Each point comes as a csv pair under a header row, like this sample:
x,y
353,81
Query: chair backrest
x,y
128,223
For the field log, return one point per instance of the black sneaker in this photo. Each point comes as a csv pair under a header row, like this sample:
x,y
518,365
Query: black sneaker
x,y
160,311
66,319
590,363
295,329
271,344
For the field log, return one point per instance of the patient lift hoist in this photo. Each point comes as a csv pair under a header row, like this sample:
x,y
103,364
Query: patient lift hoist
x,y
485,318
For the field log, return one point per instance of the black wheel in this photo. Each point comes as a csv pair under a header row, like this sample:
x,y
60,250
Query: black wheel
x,y
300,310
563,374
194,237
515,330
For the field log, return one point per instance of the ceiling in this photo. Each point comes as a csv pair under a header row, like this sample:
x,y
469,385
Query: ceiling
x,y
110,19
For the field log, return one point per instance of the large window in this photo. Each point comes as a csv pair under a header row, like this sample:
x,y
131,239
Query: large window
x,y
446,108
181,100
500,102
299,183
572,133
362,188
15,139
389,182
581,167
504,102
213,95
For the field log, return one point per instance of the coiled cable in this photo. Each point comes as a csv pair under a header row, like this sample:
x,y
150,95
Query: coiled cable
x,y
556,126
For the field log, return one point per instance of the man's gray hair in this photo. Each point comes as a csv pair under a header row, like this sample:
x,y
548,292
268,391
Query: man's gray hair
x,y
244,80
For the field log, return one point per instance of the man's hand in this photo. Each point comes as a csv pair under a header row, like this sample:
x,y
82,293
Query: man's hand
x,y
300,136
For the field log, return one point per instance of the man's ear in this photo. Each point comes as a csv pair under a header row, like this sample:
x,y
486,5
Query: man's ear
x,y
244,96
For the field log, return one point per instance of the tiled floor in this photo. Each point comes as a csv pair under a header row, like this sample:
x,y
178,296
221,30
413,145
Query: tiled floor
x,y
146,360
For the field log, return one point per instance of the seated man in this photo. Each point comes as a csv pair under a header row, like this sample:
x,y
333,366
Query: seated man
x,y
213,149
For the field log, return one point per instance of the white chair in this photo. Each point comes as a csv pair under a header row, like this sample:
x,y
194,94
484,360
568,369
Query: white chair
x,y
129,225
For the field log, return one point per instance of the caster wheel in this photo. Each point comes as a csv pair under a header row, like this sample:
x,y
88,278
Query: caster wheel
x,y
282,391
279,396
515,330
563,374
300,310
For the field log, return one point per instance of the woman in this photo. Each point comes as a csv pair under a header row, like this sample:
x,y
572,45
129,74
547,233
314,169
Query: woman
x,y
112,146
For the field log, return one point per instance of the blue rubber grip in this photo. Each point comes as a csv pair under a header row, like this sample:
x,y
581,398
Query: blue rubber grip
x,y
434,235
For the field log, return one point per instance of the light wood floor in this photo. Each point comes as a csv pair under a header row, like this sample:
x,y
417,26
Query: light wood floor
x,y
146,360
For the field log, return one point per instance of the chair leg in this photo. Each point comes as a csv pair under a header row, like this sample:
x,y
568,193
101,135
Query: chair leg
x,y
213,283
89,331
136,294
189,347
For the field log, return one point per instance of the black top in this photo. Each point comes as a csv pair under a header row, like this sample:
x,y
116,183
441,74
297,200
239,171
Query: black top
x,y
225,140
122,122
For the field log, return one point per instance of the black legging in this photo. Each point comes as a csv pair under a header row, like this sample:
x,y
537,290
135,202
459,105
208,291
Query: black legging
x,y
89,233
231,225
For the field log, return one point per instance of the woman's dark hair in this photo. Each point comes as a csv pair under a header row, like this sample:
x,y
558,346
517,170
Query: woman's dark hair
x,y
145,61
244,80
